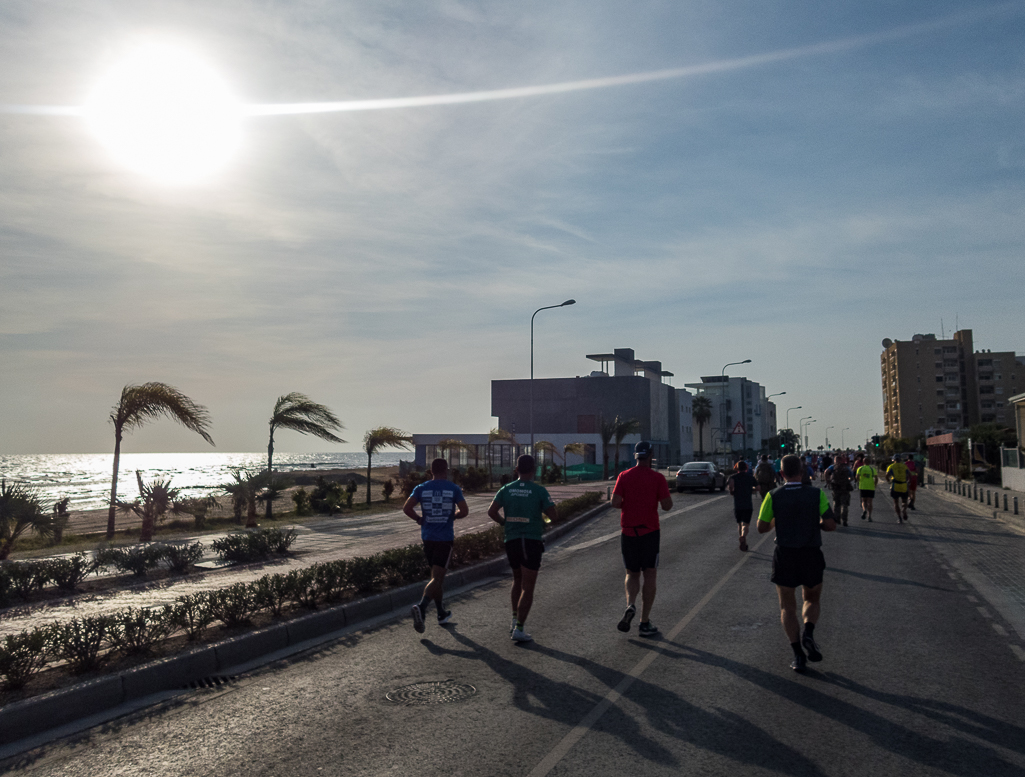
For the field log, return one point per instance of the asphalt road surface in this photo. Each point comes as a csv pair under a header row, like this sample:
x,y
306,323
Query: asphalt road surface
x,y
923,673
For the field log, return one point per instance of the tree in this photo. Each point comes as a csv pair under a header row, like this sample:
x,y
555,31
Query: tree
x,y
577,449
139,404
20,510
606,431
383,437
497,435
244,489
701,411
624,427
156,498
197,507
547,448
301,414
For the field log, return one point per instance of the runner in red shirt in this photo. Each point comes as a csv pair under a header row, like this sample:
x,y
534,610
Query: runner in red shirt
x,y
639,492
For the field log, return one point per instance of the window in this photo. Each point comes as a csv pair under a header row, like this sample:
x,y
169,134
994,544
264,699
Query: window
x,y
999,377
939,378
950,349
985,389
936,350
941,406
939,365
953,406
985,362
1000,389
939,392
987,405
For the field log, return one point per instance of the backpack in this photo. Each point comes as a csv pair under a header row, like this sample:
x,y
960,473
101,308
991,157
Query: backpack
x,y
764,473
841,480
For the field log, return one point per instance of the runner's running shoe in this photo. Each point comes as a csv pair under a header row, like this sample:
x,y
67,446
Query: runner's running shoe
x,y
519,635
418,619
799,664
648,629
809,644
624,625
444,617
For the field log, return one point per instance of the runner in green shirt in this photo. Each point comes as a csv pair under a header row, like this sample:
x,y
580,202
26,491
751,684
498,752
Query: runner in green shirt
x,y
525,505
867,476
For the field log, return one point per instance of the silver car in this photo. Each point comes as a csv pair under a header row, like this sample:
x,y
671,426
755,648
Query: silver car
x,y
700,474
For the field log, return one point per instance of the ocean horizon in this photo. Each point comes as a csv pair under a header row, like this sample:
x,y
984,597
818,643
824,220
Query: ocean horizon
x,y
85,477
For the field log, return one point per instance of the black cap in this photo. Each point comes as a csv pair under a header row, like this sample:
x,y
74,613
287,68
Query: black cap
x,y
642,450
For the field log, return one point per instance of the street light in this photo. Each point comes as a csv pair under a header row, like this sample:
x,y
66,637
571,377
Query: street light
x,y
868,436
722,399
812,421
549,307
788,415
800,430
827,434
846,428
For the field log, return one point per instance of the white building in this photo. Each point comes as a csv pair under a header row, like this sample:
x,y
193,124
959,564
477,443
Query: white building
x,y
742,420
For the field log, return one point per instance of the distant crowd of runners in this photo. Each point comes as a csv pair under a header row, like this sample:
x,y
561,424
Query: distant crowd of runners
x,y
791,505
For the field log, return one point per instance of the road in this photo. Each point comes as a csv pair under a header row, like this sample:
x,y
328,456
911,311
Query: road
x,y
922,674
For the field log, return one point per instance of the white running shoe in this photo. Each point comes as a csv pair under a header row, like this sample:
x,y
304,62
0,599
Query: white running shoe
x,y
519,635
418,619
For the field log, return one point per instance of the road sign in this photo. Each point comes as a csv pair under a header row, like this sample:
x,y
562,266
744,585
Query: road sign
x,y
738,429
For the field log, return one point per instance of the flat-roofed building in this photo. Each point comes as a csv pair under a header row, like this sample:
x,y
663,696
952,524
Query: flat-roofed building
x,y
1000,375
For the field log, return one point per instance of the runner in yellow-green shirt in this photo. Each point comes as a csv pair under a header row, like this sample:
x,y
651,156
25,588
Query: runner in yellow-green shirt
x,y
897,475
867,476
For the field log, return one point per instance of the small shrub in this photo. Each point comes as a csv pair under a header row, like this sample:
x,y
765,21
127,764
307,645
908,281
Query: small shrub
x,y
243,547
272,592
411,480
389,489
280,540
303,506
234,549
363,574
135,630
21,656
403,565
567,508
67,573
302,587
234,605
350,492
327,497
192,614
179,556
6,585
137,559
80,640
474,479
27,577
331,579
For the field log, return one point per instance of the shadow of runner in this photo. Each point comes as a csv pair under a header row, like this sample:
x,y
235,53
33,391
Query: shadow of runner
x,y
956,755
888,580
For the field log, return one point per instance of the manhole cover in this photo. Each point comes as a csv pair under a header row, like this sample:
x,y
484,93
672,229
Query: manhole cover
x,y
211,682
440,692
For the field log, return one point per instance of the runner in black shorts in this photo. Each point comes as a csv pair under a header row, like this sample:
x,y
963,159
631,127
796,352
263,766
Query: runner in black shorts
x,y
441,502
640,552
742,485
798,513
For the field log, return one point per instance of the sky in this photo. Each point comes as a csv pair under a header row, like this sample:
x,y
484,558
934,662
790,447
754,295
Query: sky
x,y
822,176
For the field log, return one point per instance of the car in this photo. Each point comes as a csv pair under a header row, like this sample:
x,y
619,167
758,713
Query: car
x,y
700,474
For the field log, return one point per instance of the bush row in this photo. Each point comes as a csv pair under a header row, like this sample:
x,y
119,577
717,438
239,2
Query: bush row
x,y
86,643
23,578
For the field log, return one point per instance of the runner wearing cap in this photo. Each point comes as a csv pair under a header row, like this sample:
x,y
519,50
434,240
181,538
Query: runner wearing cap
x,y
525,505
638,493
441,501
897,475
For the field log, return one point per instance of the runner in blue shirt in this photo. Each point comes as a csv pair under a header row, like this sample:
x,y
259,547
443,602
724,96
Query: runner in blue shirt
x,y
441,501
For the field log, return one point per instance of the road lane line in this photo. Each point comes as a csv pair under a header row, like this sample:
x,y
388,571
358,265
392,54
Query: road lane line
x,y
613,535
999,629
1016,649
560,751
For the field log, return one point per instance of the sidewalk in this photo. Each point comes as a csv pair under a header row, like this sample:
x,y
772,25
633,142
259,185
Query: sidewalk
x,y
319,541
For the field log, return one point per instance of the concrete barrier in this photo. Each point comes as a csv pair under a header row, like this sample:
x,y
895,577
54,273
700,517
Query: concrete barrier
x,y
169,673
49,710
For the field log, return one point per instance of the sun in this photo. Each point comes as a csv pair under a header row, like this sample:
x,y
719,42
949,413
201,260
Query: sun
x,y
162,111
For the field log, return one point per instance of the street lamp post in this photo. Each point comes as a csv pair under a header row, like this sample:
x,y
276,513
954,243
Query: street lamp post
x,y
800,431
812,421
548,307
868,436
846,428
827,434
722,401
789,429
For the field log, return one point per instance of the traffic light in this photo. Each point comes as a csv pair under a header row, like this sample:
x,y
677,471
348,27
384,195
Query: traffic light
x,y
875,440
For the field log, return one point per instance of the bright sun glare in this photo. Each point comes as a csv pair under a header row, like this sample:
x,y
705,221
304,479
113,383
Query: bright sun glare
x,y
164,112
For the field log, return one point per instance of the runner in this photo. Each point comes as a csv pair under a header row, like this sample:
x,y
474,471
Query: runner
x,y
525,504
741,484
912,482
765,474
639,492
867,476
441,501
897,476
799,514
838,478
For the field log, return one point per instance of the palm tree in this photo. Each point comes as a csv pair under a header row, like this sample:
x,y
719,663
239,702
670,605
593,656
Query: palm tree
x,y
701,410
244,490
451,444
383,437
577,449
497,435
139,404
606,430
299,413
547,448
155,499
20,509
624,427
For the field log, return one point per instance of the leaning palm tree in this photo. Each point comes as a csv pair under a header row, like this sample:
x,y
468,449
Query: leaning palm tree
x,y
606,431
701,410
139,404
299,413
624,427
451,444
20,510
497,435
577,449
383,437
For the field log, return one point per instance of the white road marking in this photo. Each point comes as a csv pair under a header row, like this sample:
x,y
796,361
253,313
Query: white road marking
x,y
1016,649
999,629
613,535
972,599
984,612
560,751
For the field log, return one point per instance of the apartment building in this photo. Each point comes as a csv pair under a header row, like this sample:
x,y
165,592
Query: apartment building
x,y
742,419
1000,376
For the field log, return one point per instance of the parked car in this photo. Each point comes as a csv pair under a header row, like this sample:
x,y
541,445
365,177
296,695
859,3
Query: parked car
x,y
700,474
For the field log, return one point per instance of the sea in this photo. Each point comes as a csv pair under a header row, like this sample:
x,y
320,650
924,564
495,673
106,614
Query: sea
x,y
85,477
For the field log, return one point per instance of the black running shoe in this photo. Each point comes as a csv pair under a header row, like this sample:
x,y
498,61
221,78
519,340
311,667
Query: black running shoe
x,y
863,516
799,664
444,617
648,629
809,644
624,625
912,507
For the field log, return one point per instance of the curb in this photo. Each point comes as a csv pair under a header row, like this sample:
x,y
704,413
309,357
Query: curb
x,y
39,714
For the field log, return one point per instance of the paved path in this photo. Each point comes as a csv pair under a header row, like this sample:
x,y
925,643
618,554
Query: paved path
x,y
922,672
318,541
